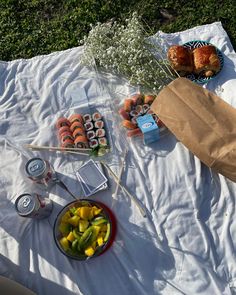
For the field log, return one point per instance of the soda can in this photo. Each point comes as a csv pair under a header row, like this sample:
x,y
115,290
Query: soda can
x,y
41,172
33,206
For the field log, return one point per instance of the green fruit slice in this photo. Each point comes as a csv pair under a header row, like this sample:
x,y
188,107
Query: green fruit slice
x,y
108,232
98,221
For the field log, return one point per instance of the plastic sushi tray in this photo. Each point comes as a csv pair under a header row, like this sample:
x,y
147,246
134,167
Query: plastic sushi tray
x,y
84,130
136,107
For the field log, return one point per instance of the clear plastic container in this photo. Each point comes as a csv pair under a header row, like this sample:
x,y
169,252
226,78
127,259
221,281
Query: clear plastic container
x,y
85,106
137,143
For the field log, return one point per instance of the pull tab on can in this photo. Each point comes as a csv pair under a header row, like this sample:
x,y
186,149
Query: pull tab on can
x,y
41,172
33,206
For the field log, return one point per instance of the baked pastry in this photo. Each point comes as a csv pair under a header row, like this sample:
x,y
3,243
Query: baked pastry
x,y
180,59
206,61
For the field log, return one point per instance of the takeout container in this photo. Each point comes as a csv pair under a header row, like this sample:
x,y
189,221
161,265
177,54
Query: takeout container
x,y
91,141
106,212
84,131
128,110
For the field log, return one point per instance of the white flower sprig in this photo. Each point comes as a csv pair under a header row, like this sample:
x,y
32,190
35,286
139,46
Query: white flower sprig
x,y
127,51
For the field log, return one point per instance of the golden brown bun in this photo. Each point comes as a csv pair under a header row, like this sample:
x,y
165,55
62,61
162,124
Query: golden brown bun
x,y
206,60
180,59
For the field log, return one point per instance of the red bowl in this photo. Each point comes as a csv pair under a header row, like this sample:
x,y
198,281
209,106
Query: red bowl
x,y
106,212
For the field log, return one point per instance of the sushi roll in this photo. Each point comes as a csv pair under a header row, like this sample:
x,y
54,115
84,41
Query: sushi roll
x,y
160,123
139,109
99,124
134,113
100,132
81,141
129,125
150,112
62,122
134,120
102,141
91,134
93,143
146,107
63,129
124,114
76,125
134,132
78,132
88,126
155,117
66,135
68,143
76,118
87,118
137,99
128,103
148,99
96,116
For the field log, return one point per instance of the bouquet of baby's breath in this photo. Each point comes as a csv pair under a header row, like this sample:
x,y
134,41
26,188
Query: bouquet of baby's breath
x,y
125,49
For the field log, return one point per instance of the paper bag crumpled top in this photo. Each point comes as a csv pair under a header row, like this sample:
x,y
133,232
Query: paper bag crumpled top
x,y
202,121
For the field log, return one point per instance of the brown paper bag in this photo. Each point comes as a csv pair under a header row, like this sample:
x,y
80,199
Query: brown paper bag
x,y
202,121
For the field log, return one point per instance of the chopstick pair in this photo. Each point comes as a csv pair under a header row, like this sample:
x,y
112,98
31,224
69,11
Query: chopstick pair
x,y
120,174
117,180
78,151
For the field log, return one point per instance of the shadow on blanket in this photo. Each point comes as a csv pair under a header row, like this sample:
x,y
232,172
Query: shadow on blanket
x,y
12,288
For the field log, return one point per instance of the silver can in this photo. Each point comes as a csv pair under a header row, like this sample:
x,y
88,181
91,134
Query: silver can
x,y
33,206
41,172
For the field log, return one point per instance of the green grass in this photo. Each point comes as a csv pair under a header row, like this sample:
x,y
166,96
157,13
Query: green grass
x,y
32,27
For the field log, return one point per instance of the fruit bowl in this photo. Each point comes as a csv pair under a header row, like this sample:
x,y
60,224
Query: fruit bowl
x,y
84,229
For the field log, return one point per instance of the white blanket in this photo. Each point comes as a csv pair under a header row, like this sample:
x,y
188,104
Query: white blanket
x,y
187,242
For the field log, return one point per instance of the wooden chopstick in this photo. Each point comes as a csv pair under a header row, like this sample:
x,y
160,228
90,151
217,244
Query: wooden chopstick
x,y
77,151
120,174
56,148
141,209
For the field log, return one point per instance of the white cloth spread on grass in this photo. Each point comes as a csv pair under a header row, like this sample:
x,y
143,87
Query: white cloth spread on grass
x,y
187,243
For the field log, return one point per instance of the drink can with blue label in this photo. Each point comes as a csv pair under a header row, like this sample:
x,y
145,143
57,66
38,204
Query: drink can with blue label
x,y
33,206
41,172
